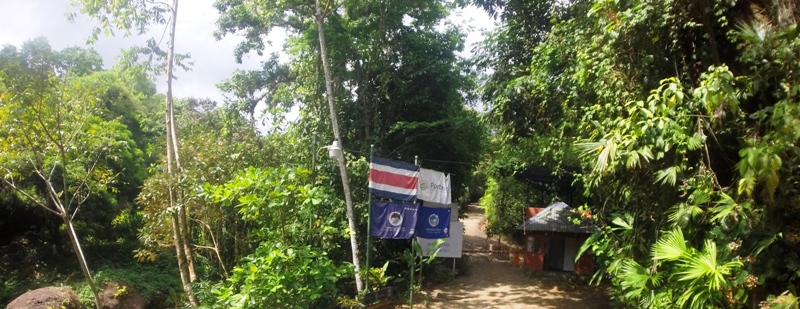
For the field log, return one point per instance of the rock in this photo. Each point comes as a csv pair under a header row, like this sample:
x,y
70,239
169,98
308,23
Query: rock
x,y
121,296
49,297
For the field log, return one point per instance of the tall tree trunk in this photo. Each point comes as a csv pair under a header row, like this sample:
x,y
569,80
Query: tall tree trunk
x,y
320,16
73,237
63,210
179,225
176,230
186,242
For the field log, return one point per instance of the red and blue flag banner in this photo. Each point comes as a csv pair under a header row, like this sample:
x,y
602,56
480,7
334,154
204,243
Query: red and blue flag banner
x,y
433,223
393,180
393,220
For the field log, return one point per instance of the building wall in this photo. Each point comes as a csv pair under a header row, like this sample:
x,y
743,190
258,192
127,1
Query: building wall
x,y
535,253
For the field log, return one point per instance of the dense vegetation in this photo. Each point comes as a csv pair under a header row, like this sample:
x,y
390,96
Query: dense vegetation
x,y
683,118
678,119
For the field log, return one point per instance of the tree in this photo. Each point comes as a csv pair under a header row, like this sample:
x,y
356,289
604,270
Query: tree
x,y
291,15
57,149
221,143
389,82
138,16
320,20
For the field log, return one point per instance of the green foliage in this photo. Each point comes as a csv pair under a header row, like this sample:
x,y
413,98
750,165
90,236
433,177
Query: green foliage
x,y
128,16
680,115
504,203
281,276
440,271
220,143
8,289
378,278
160,286
784,301
294,230
400,84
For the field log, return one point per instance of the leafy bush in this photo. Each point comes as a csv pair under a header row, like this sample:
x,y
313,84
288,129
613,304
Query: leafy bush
x,y
296,228
440,271
504,202
160,287
8,288
281,276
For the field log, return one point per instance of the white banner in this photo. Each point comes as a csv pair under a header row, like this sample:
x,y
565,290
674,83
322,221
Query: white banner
x,y
451,247
433,186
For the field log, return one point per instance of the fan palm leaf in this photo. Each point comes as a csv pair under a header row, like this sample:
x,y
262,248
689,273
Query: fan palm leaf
x,y
671,246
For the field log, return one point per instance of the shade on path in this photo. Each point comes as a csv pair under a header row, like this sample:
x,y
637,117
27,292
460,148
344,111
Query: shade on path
x,y
494,283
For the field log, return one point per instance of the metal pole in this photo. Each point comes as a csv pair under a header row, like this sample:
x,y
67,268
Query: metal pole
x,y
411,286
369,225
413,259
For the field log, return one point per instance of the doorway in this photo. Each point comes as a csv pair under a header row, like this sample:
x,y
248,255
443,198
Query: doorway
x,y
554,260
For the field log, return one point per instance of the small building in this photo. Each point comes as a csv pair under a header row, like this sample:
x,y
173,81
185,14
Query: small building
x,y
553,236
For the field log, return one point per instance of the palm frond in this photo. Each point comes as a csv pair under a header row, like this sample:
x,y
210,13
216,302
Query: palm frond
x,y
726,207
681,214
634,278
704,266
668,175
671,246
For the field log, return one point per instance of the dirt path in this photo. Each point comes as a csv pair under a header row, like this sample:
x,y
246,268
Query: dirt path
x,y
495,283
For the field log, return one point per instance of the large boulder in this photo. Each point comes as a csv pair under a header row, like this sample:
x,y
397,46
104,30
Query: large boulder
x,y
46,298
116,295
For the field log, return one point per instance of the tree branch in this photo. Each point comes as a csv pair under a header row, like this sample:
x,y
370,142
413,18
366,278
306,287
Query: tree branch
x,y
215,248
28,196
53,195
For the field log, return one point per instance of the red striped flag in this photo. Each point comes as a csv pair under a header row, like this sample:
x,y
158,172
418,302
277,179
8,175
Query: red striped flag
x,y
392,179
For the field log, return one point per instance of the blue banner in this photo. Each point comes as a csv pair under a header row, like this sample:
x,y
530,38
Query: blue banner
x,y
393,220
433,222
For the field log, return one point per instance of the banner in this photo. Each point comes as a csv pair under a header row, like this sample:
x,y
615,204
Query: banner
x,y
451,248
433,186
453,209
433,222
392,179
393,220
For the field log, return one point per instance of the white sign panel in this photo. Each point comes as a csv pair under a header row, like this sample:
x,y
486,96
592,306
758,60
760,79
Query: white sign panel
x,y
451,247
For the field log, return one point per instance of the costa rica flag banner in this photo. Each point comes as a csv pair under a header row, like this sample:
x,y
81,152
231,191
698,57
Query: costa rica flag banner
x,y
392,179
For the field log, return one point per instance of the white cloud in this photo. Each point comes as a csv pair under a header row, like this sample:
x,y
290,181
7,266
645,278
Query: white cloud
x,y
213,60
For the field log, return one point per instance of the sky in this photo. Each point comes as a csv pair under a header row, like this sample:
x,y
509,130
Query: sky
x,y
213,60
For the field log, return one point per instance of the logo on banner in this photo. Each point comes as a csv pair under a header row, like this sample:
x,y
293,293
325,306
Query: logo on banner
x,y
433,220
395,218
423,184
